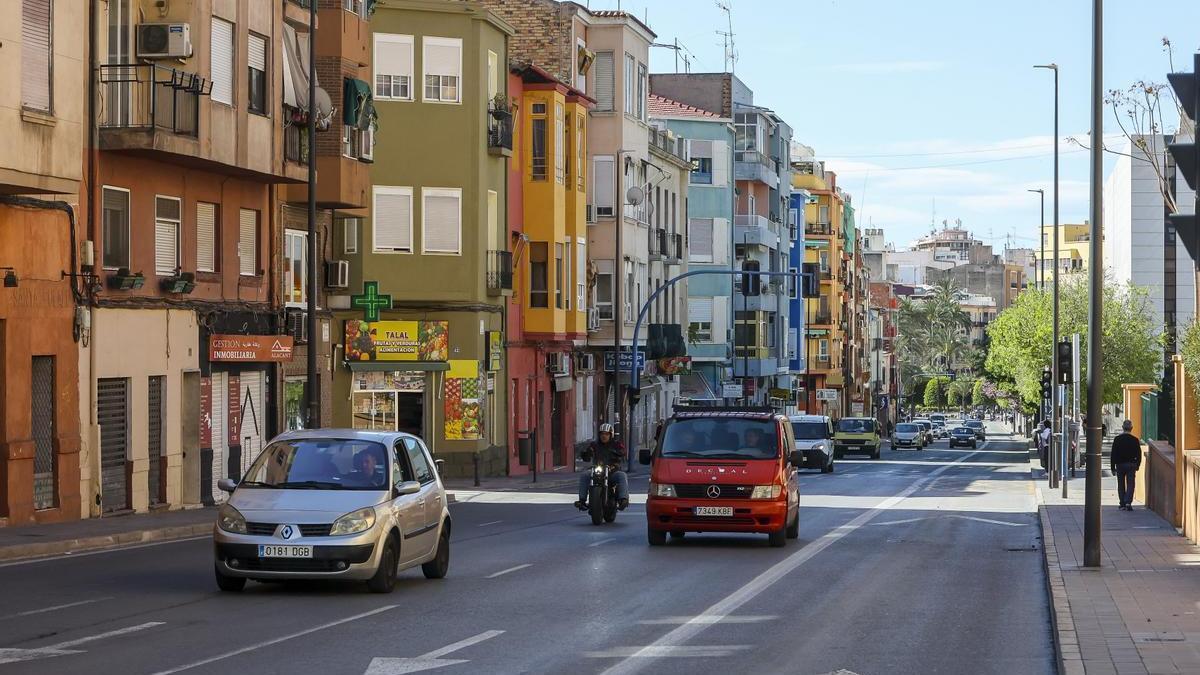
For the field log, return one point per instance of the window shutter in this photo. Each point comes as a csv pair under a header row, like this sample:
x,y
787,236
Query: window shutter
x,y
221,53
441,220
442,58
603,69
581,276
720,163
36,54
700,310
700,149
605,182
256,52
206,237
393,55
166,247
248,242
392,221
700,240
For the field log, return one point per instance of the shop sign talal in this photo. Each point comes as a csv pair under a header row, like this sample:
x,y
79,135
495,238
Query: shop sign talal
x,y
397,340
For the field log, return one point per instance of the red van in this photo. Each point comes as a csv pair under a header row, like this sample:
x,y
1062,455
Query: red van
x,y
724,470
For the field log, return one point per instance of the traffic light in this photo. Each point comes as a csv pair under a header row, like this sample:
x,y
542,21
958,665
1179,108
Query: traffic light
x,y
1063,354
635,395
1187,154
750,285
1047,383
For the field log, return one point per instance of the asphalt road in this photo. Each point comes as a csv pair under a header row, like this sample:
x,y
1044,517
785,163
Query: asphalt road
x,y
921,562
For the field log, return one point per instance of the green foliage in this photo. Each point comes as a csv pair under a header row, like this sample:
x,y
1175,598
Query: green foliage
x,y
935,392
1189,351
932,333
1021,338
978,398
953,397
959,393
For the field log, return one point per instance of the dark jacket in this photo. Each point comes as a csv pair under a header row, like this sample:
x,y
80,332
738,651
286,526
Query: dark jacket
x,y
612,452
1125,450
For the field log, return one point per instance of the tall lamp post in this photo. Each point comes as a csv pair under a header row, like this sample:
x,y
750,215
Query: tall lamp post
x,y
1095,364
1054,402
1041,237
313,375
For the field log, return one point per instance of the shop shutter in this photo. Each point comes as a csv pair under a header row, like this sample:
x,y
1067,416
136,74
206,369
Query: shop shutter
x,y
248,242
112,414
720,163
603,74
441,221
700,240
220,414
221,54
154,427
43,416
252,417
36,56
206,237
392,220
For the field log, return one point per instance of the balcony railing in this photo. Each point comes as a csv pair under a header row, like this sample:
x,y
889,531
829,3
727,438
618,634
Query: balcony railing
x,y
295,143
752,157
669,144
657,243
500,134
822,319
499,271
818,229
675,247
148,96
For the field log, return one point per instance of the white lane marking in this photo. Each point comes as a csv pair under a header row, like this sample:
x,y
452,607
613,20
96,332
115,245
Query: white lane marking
x,y
430,661
594,544
494,522
776,572
511,569
665,651
12,655
117,549
268,643
112,633
676,620
952,515
988,520
898,522
54,608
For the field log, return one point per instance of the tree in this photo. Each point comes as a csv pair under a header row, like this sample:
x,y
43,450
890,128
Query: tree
x,y
1022,336
979,396
932,333
935,392
959,392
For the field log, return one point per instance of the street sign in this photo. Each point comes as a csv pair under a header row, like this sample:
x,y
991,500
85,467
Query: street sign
x,y
731,390
883,400
856,409
827,394
626,360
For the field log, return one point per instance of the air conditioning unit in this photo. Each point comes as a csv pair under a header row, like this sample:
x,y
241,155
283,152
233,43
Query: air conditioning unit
x,y
164,41
337,274
585,363
297,326
589,214
558,363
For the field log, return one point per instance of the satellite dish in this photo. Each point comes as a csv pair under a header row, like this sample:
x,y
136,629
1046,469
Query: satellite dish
x,y
635,195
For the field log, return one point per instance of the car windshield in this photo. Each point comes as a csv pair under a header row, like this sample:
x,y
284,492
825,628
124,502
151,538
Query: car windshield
x,y
924,425
974,424
856,426
810,430
963,431
320,464
721,438
906,428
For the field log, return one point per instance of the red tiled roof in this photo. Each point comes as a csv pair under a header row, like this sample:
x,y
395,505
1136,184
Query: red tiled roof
x,y
618,14
664,107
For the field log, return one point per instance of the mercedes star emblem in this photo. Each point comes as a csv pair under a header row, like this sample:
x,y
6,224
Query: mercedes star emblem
x,y
714,491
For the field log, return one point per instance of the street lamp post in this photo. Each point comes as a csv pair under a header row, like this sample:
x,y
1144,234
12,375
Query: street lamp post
x,y
1054,402
1095,365
1041,266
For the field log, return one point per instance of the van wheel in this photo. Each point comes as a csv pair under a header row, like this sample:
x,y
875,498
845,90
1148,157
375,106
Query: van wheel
x,y
229,584
656,537
778,538
793,530
385,577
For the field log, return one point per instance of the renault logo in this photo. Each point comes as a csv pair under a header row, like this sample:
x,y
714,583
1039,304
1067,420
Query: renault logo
x,y
714,491
287,532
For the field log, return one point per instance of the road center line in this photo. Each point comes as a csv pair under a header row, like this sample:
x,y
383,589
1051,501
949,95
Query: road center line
x,y
677,637
112,633
268,643
461,644
511,569
54,608
594,544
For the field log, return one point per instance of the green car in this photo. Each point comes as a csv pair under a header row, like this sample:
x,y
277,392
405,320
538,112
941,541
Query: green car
x,y
856,435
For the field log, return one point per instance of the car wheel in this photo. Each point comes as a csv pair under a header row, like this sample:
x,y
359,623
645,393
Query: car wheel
x,y
837,454
229,584
677,534
656,537
440,565
828,468
793,530
778,538
875,453
385,577
974,445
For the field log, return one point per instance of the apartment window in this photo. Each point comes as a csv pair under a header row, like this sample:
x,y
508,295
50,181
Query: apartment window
x,y
37,60
603,73
824,260
393,66
580,275
702,162
823,350
221,54
358,143
558,275
353,6
493,83
793,283
746,132
537,140
641,91
823,214
206,237
579,151
629,83
630,289
350,228
441,220
166,235
700,318
391,215
295,268
604,189
560,144
248,242
539,292
256,63
700,240
116,227
604,289
442,59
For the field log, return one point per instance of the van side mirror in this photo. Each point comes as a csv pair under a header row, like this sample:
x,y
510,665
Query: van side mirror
x,y
408,487
227,485
797,458
645,455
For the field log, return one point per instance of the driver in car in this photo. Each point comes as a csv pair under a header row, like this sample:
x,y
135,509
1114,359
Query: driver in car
x,y
365,473
754,438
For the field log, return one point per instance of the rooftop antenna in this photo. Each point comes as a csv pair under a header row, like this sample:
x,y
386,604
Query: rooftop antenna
x,y
730,50
680,50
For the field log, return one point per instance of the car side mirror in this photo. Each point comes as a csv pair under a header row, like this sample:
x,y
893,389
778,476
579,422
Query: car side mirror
x,y
408,487
227,485
797,458
644,456
440,466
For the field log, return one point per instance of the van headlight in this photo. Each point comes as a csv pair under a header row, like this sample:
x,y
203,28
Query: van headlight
x,y
766,492
231,520
354,522
662,490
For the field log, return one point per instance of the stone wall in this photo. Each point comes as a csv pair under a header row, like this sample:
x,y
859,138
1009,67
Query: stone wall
x,y
543,34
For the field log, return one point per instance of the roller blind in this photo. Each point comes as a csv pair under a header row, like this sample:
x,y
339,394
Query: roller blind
x,y
256,53
166,236
700,310
248,242
442,219
206,237
700,239
603,69
36,54
392,220
221,68
605,186
443,56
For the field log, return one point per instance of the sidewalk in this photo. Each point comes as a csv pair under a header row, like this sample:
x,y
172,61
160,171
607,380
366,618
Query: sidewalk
x,y
546,480
1137,613
29,541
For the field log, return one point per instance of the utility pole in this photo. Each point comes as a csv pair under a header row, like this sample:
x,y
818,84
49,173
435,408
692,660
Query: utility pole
x,y
313,382
1055,401
1095,365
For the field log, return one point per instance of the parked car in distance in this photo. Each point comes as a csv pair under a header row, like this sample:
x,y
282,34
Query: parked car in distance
x,y
908,435
338,504
814,437
977,427
964,436
723,469
856,435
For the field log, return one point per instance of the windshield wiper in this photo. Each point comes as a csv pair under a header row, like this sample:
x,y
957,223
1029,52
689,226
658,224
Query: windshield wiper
x,y
255,483
683,453
310,485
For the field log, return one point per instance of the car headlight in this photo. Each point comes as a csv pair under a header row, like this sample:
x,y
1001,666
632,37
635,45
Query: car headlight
x,y
231,520
662,490
766,492
354,522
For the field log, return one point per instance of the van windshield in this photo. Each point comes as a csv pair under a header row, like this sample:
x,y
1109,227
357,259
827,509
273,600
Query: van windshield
x,y
856,426
721,438
810,430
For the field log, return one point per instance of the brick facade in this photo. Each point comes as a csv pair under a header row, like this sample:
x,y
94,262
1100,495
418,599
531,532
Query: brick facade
x,y
543,34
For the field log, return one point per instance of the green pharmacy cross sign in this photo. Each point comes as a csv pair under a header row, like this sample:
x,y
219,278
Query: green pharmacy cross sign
x,y
371,301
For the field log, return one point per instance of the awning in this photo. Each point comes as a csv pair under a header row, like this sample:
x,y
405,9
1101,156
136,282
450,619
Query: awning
x,y
399,366
295,73
358,105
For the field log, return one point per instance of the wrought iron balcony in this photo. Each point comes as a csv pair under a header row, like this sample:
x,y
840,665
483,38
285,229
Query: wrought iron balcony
x,y
150,97
500,133
499,272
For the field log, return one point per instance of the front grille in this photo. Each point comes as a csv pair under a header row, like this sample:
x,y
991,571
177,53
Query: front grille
x,y
268,529
700,491
288,565
725,520
261,529
321,530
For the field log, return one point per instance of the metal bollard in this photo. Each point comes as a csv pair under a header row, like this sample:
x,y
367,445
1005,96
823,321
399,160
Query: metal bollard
x,y
475,461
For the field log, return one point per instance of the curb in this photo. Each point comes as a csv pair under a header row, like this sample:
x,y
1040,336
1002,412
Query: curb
x,y
1068,660
100,542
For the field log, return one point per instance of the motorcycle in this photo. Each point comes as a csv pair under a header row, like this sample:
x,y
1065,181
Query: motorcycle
x,y
602,494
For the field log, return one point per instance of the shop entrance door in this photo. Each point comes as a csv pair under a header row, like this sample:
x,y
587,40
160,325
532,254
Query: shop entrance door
x,y
220,415
252,417
410,413
557,420
112,413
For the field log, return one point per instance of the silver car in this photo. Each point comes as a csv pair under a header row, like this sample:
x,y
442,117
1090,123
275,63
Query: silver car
x,y
334,504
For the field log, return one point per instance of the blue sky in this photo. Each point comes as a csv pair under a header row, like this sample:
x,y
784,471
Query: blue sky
x,y
876,85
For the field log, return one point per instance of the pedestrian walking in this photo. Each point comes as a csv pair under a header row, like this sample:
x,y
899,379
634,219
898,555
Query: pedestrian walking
x,y
1125,460
1043,442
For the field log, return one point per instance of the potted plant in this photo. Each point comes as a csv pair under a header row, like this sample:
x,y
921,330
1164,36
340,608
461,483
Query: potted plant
x,y
499,107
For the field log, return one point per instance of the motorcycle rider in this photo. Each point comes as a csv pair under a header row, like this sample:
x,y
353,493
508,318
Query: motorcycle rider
x,y
607,450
